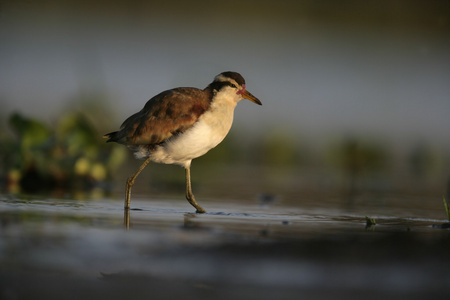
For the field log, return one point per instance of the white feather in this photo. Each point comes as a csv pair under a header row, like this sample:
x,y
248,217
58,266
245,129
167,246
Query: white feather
x,y
210,129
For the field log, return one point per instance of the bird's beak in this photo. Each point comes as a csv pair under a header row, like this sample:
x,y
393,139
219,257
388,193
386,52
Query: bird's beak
x,y
247,95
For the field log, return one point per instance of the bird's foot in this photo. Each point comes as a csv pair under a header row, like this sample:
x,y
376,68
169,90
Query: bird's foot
x,y
200,210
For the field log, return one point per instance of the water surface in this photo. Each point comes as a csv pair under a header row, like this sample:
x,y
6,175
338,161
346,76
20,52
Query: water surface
x,y
257,249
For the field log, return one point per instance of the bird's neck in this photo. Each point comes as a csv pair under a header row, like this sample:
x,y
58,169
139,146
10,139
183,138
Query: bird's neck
x,y
220,113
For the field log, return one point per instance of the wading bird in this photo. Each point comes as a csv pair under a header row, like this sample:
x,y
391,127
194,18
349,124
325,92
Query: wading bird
x,y
181,124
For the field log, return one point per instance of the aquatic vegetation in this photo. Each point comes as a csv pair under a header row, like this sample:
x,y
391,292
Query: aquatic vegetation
x,y
357,156
279,147
447,211
370,222
71,154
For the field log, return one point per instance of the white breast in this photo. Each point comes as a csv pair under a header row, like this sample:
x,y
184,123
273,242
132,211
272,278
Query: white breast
x,y
210,129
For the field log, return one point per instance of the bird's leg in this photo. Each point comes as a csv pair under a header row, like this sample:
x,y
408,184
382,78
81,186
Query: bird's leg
x,y
189,194
130,182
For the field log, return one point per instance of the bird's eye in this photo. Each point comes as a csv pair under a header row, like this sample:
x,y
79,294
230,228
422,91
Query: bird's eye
x,y
232,85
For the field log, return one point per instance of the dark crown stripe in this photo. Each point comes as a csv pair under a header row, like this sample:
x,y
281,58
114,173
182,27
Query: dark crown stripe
x,y
234,75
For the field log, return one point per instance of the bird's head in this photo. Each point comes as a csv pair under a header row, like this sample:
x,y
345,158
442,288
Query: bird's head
x,y
233,83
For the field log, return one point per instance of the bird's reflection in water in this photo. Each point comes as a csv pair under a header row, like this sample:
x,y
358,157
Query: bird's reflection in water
x,y
126,218
188,222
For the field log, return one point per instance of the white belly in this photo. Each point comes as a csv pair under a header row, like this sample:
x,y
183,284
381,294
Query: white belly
x,y
207,133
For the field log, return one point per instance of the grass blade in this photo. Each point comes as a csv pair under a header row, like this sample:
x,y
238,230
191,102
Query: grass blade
x,y
446,208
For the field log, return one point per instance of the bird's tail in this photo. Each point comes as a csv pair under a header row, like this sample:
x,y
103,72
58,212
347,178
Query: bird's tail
x,y
112,136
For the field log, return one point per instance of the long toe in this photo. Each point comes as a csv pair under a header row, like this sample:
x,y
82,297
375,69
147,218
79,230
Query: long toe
x,y
200,210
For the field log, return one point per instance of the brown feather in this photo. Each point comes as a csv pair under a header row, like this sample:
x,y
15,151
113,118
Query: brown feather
x,y
167,114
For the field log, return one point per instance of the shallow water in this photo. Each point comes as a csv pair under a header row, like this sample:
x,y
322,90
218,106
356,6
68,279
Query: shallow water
x,y
257,249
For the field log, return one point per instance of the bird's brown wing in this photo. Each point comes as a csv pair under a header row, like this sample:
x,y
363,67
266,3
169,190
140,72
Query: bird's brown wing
x,y
167,114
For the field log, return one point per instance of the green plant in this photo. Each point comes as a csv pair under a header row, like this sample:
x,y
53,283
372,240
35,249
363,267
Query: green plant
x,y
370,222
446,207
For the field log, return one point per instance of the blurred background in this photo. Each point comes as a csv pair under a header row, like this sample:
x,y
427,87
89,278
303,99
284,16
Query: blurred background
x,y
355,93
